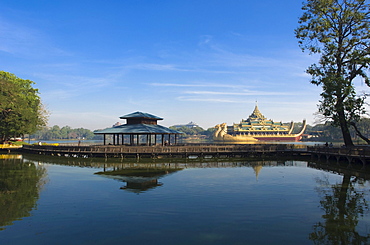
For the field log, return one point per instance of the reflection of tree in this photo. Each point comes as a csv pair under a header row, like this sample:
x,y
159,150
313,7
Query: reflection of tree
x,y
343,205
20,182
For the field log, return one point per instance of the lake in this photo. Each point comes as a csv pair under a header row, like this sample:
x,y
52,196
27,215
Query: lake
x,y
53,200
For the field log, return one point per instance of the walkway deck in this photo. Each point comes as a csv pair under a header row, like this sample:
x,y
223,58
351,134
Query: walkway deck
x,y
187,151
357,153
9,147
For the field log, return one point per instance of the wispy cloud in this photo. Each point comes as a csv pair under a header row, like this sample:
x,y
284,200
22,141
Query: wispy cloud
x,y
18,39
199,99
207,85
156,67
69,86
238,93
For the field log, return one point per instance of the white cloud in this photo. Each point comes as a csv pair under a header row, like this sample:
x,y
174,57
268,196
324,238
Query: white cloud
x,y
208,85
239,93
78,119
21,40
218,100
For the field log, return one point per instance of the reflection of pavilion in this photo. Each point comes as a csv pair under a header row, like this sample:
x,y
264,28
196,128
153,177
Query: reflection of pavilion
x,y
138,179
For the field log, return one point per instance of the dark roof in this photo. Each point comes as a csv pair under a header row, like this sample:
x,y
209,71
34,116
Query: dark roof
x,y
139,114
138,129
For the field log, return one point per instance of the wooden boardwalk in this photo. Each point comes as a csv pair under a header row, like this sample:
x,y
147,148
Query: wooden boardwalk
x,y
357,153
350,154
183,151
9,147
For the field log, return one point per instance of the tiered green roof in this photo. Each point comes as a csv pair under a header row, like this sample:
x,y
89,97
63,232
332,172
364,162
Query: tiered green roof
x,y
257,122
139,123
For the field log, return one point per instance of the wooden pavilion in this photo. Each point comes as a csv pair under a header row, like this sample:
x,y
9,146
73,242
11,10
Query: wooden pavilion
x,y
140,129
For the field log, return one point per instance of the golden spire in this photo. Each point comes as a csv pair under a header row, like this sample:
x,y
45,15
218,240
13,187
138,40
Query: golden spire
x,y
256,114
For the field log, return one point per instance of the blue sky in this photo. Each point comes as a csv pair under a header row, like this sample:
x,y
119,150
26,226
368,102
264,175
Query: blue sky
x,y
206,61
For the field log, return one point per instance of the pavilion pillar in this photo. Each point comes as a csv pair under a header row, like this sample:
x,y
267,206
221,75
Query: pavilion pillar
x,y
169,139
114,139
137,139
104,139
175,139
162,139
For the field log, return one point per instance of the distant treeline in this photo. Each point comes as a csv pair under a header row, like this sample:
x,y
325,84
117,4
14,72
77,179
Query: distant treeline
x,y
194,131
328,133
66,132
320,132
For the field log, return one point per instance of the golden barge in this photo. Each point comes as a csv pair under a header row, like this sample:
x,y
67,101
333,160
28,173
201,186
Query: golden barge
x,y
257,128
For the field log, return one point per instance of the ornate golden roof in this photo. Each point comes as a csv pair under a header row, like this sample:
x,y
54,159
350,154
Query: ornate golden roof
x,y
256,114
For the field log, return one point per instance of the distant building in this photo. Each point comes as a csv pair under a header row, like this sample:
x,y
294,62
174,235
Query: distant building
x,y
140,129
189,125
117,124
257,128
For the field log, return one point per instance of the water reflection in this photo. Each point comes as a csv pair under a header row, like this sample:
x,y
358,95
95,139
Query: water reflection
x,y
139,179
344,204
20,184
113,164
230,202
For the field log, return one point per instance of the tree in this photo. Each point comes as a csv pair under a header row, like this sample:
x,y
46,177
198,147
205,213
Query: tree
x,y
65,132
362,129
189,131
20,185
339,31
21,110
343,205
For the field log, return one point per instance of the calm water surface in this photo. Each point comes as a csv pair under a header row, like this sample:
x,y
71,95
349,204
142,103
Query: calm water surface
x,y
72,201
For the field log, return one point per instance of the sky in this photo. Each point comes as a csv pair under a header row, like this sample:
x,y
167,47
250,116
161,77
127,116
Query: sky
x,y
206,61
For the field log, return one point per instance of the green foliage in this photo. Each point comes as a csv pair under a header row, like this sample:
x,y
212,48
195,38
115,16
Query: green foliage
x,y
340,32
21,110
344,205
19,189
325,133
328,133
194,131
65,132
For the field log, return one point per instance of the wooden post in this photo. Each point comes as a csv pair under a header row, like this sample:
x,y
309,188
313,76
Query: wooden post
x,y
104,139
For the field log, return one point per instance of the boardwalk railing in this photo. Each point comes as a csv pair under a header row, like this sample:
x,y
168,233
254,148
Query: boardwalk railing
x,y
185,150
354,153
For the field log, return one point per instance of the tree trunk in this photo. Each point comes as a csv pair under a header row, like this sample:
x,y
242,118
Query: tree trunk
x,y
359,134
345,129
